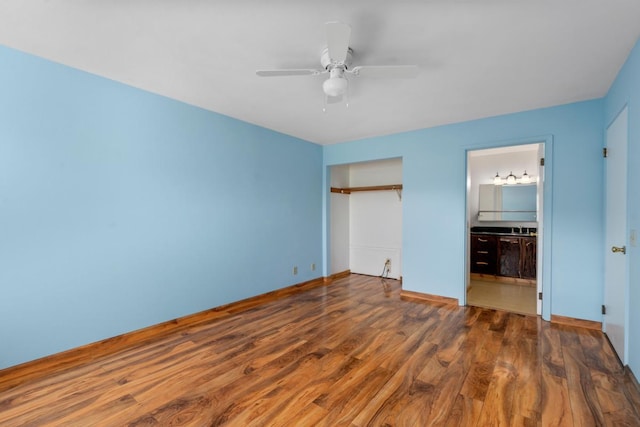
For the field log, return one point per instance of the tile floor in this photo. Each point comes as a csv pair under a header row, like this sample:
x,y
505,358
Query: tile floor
x,y
502,296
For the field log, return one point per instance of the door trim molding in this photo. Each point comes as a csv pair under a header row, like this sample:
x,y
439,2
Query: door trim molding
x,y
544,238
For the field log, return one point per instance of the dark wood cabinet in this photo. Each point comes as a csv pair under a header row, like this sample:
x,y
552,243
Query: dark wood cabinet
x,y
484,254
528,256
507,256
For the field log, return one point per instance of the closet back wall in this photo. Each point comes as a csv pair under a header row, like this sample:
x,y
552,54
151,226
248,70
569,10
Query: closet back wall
x,y
375,218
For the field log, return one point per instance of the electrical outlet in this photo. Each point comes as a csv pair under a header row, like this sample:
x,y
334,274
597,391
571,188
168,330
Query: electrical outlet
x,y
387,263
295,270
313,267
633,238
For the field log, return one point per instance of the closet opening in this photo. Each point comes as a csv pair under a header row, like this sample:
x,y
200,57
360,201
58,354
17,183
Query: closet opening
x,y
365,235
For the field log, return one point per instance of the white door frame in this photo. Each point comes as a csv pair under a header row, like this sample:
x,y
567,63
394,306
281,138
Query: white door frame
x,y
540,202
543,279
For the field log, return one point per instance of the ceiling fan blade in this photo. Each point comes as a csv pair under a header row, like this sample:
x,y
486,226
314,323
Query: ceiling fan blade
x,y
287,72
338,35
386,71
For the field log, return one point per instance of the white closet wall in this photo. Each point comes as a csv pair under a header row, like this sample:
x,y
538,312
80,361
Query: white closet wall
x,y
375,218
339,222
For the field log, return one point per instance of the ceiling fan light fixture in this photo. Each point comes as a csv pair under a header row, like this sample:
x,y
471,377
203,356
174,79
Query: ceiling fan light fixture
x,y
335,86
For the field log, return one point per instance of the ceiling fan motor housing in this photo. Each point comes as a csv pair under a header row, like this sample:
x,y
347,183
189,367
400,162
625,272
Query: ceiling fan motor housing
x,y
336,84
328,64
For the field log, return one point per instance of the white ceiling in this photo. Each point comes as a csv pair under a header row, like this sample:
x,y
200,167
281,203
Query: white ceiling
x,y
478,58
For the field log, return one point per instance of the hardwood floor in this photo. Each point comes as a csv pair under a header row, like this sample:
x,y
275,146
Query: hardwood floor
x,y
352,353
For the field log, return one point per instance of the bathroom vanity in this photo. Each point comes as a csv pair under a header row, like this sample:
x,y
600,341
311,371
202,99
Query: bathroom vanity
x,y
504,251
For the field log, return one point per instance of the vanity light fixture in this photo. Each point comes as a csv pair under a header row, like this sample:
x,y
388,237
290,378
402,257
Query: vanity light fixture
x,y
511,179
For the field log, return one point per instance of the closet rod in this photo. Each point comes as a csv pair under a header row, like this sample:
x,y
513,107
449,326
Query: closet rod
x,y
350,190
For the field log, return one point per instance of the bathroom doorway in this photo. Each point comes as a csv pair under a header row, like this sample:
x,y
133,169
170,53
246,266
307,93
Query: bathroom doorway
x,y
504,226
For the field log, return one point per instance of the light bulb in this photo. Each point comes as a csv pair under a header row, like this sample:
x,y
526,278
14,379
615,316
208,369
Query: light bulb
x,y
497,180
335,86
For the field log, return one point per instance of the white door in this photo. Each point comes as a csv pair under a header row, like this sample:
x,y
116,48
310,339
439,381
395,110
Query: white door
x,y
615,259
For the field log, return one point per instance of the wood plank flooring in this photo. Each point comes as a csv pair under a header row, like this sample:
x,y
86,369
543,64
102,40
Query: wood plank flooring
x,y
349,354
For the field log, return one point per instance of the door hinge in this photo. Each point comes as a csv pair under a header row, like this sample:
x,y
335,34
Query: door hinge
x,y
604,309
541,161
540,296
605,152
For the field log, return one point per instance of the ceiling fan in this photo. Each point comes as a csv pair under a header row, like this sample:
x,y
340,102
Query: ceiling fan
x,y
336,61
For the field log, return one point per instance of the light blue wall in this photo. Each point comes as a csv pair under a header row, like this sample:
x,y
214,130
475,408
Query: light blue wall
x,y
626,91
121,209
434,171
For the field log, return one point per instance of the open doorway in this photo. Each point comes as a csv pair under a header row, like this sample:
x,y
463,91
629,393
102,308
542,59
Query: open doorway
x,y
365,235
504,217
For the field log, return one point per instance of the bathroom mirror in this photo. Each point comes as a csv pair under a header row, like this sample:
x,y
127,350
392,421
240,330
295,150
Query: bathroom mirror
x,y
507,202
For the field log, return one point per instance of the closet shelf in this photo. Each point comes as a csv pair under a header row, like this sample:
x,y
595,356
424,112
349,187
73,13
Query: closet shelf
x,y
350,190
